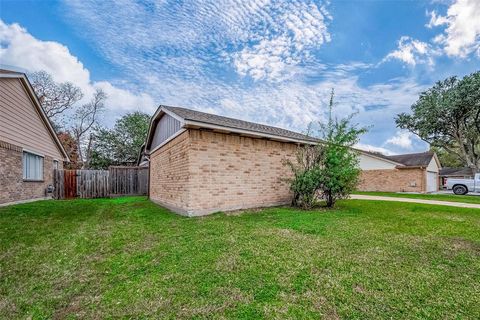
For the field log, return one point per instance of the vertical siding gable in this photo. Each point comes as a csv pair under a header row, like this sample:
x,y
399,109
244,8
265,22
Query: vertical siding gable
x,y
20,122
166,127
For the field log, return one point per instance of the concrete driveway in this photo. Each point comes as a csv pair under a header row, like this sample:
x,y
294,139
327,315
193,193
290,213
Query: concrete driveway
x,y
423,201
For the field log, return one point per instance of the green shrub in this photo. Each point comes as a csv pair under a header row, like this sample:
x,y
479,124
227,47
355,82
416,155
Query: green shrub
x,y
329,169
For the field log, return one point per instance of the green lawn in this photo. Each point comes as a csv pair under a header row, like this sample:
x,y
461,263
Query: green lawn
x,y
128,258
439,197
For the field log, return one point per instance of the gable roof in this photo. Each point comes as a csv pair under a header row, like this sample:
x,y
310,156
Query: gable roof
x,y
197,119
420,159
414,159
449,171
5,73
379,155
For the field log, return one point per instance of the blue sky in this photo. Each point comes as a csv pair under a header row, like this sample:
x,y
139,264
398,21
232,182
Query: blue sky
x,y
267,61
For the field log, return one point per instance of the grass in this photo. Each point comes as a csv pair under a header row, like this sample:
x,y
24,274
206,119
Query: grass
x,y
128,258
439,197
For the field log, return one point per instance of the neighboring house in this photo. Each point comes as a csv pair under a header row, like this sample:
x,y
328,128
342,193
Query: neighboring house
x,y
202,163
415,172
29,147
455,173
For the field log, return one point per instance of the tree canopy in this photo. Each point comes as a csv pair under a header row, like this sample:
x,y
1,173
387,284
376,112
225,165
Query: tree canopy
x,y
447,116
121,144
55,98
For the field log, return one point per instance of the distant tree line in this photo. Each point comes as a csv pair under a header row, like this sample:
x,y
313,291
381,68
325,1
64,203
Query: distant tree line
x,y
89,145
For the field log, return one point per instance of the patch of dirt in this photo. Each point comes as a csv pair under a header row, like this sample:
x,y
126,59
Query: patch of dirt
x,y
459,244
74,307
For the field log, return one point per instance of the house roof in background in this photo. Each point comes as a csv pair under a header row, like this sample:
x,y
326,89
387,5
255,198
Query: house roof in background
x,y
192,118
421,159
413,159
449,171
12,74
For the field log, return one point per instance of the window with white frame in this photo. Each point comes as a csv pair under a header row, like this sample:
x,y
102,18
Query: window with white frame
x,y
32,166
55,164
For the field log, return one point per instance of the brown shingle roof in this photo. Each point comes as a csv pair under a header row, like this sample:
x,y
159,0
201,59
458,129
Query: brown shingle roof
x,y
226,122
457,172
413,159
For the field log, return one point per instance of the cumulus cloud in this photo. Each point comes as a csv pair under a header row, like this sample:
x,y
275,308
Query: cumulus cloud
x,y
402,139
462,28
412,51
370,148
20,49
460,37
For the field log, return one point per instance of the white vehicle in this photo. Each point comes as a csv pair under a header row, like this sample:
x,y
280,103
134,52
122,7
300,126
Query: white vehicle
x,y
464,186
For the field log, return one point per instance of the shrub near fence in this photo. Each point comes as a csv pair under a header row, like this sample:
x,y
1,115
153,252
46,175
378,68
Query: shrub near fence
x,y
116,181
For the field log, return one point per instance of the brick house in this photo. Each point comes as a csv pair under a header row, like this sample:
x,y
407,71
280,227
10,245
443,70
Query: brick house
x,y
415,172
29,147
202,163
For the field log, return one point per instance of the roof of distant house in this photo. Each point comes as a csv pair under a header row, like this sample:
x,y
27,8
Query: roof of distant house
x,y
449,171
414,159
421,159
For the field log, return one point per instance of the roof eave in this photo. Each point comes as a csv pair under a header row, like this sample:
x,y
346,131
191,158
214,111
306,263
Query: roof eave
x,y
198,124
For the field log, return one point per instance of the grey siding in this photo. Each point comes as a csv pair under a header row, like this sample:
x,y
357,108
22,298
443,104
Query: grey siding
x,y
167,126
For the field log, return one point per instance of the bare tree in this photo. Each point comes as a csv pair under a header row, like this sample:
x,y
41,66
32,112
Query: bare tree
x,y
54,97
84,120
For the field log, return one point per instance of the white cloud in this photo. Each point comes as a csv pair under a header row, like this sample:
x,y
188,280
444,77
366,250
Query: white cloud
x,y
462,34
412,51
370,148
299,27
258,38
402,139
20,49
188,55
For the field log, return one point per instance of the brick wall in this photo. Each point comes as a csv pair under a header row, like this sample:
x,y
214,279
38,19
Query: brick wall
x,y
13,188
231,172
396,180
200,172
169,174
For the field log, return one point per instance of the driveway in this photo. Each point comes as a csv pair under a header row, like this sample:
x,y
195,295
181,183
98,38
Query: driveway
x,y
423,201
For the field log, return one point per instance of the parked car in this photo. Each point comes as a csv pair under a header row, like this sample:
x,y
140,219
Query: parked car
x,y
464,186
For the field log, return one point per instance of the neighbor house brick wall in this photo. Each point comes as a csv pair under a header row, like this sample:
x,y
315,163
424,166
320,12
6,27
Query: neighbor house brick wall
x,y
395,180
169,174
13,187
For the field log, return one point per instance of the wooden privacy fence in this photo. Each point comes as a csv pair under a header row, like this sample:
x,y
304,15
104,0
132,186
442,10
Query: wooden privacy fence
x,y
116,181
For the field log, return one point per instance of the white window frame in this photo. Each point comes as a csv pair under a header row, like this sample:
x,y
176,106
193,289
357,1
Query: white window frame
x,y
55,164
33,168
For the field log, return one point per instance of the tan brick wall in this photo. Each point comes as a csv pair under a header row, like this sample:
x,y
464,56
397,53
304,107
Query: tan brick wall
x,y
13,188
169,174
200,172
396,180
231,172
